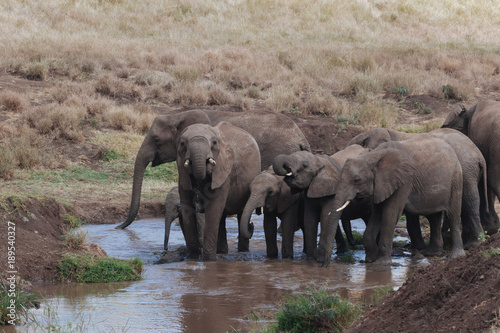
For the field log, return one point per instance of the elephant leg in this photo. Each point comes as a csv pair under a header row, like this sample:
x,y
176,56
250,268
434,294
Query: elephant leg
x,y
189,221
495,222
215,224
346,224
471,221
435,247
392,211
341,243
489,218
413,228
288,223
222,247
270,231
371,234
311,218
243,243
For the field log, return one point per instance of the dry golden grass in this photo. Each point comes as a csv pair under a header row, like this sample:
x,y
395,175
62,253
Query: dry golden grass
x,y
290,54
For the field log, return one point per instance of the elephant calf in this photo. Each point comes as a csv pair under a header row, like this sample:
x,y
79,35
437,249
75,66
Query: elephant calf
x,y
268,190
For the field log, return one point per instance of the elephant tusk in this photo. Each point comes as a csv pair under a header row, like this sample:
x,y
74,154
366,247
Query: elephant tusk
x,y
344,205
289,174
186,163
212,161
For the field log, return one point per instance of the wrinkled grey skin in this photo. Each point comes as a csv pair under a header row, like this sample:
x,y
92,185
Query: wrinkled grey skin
x,y
269,191
420,177
316,176
481,123
474,203
216,165
274,133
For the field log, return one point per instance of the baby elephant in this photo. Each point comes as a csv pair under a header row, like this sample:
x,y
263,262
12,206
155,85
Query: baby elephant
x,y
172,211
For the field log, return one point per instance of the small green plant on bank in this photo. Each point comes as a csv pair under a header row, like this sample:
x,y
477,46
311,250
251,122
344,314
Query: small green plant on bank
x,y
294,110
421,108
315,311
15,303
483,237
401,92
88,268
448,92
491,252
72,221
347,258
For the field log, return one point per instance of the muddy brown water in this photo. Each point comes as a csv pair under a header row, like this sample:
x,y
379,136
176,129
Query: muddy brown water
x,y
236,292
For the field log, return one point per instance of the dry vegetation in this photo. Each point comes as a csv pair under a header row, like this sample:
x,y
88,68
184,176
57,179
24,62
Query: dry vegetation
x,y
102,69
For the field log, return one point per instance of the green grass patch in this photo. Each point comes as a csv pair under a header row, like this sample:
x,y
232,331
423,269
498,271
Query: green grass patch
x,y
165,172
347,258
72,221
315,311
88,268
15,303
491,252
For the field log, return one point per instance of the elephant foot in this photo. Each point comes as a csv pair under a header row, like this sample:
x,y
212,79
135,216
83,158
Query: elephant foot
x,y
190,254
419,246
433,252
243,245
459,252
222,248
209,257
272,256
286,256
472,244
370,257
385,261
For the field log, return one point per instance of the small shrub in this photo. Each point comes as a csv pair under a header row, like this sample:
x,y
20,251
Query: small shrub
x,y
401,92
347,258
316,311
72,221
12,101
448,92
15,303
36,71
88,268
421,108
491,252
75,238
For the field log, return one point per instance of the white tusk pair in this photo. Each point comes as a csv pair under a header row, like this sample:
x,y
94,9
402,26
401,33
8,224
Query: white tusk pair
x,y
186,163
289,174
212,161
344,205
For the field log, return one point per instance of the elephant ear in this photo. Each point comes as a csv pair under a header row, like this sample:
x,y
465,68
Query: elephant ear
x,y
393,169
286,198
325,182
225,159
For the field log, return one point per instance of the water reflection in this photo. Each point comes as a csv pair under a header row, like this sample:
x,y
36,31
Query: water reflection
x,y
193,296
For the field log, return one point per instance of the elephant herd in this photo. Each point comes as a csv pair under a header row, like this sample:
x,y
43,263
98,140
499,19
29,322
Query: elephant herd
x,y
237,163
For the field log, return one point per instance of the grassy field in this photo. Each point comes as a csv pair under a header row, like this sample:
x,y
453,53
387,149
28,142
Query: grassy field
x,y
92,74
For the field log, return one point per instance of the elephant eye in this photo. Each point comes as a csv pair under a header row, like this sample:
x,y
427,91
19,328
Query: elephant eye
x,y
357,180
182,144
214,143
305,165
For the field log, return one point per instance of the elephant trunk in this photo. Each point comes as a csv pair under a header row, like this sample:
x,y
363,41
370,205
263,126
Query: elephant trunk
x,y
246,227
140,167
282,165
170,216
198,157
332,225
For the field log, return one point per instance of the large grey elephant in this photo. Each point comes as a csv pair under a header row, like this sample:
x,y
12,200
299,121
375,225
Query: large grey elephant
x,y
481,123
270,192
216,165
420,177
474,213
317,177
275,134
